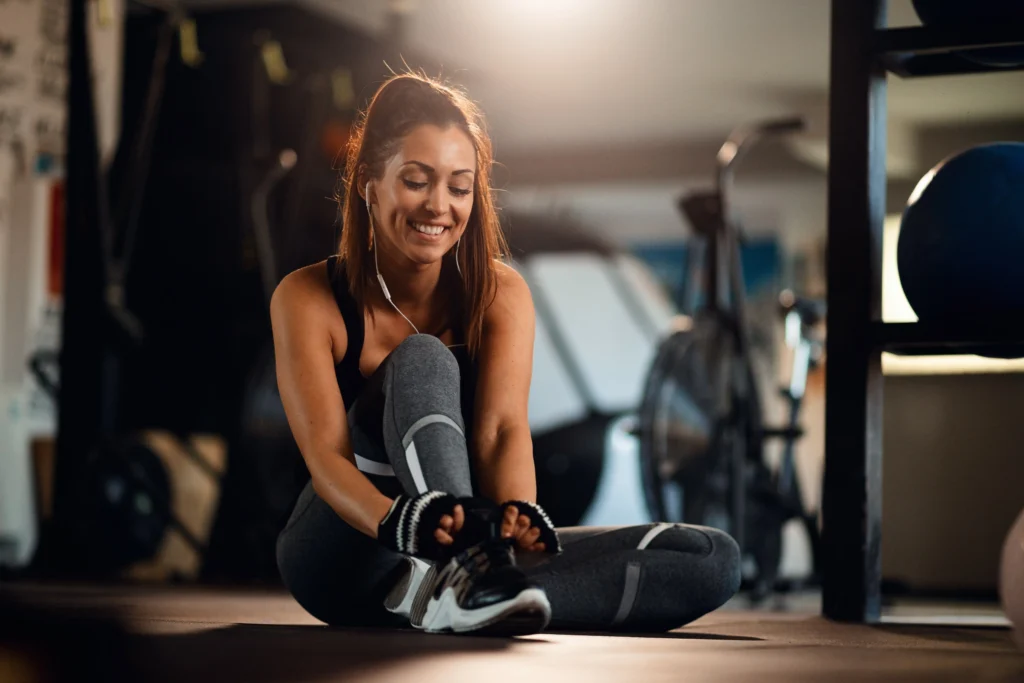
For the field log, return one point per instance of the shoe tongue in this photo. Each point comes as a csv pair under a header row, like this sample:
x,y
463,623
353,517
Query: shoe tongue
x,y
478,528
499,551
480,524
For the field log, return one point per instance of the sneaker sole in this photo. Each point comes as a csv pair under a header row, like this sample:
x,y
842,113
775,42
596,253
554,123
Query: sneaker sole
x,y
527,613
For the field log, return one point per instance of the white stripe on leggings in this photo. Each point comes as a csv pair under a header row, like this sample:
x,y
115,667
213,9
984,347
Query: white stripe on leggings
x,y
413,460
633,576
428,420
650,535
373,467
412,457
628,593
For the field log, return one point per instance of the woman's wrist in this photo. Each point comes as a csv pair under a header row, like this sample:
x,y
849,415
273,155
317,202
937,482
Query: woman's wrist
x,y
379,510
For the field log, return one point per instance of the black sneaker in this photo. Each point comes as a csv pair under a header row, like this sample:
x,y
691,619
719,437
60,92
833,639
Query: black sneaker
x,y
479,590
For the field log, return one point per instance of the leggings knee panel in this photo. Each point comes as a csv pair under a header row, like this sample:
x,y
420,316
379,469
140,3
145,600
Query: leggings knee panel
x,y
423,353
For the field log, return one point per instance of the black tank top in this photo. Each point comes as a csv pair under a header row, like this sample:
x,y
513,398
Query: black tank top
x,y
351,380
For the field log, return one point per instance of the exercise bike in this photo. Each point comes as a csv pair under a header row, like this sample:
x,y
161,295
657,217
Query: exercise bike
x,y
701,432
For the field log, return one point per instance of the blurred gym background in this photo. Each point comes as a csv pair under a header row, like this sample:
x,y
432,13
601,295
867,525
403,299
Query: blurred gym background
x,y
141,437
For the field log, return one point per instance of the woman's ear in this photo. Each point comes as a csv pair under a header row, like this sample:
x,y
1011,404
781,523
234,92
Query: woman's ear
x,y
362,179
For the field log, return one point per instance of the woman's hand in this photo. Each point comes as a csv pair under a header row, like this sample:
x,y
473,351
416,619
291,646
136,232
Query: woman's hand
x,y
425,525
450,525
517,526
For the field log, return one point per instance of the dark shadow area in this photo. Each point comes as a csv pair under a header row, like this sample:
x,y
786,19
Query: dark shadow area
x,y
677,635
259,653
86,645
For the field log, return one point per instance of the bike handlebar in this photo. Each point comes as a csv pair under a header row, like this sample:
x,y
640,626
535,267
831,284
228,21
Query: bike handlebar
x,y
743,138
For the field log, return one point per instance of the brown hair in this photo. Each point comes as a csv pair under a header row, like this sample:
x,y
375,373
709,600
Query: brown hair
x,y
403,102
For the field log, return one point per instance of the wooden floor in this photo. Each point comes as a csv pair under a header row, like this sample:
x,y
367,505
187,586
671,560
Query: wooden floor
x,y
189,634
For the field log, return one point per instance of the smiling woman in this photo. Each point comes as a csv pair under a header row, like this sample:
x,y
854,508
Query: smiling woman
x,y
422,157
424,208
404,365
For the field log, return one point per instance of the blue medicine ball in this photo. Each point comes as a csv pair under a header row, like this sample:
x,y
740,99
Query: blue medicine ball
x,y
961,245
954,13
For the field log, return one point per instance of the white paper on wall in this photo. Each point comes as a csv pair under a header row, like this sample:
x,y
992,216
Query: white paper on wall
x,y
19,41
33,80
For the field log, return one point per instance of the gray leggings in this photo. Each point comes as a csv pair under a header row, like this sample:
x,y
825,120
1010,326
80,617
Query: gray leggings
x,y
408,432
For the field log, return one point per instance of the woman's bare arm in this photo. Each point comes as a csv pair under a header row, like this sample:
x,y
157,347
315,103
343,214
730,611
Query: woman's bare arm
x,y
305,339
503,447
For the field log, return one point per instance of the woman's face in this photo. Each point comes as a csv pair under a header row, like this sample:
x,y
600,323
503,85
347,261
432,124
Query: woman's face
x,y
423,201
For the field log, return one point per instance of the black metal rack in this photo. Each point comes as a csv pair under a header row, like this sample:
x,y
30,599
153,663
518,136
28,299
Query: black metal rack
x,y
863,52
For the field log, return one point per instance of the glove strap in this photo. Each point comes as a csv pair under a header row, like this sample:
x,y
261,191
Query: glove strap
x,y
410,523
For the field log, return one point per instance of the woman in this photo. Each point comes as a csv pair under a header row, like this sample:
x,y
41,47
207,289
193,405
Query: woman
x,y
404,366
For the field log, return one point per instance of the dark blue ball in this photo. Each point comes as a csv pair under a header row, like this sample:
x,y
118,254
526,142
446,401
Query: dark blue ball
x,y
961,245
976,12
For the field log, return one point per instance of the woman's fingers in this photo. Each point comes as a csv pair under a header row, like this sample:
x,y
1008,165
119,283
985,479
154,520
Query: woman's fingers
x,y
513,525
528,539
460,518
508,522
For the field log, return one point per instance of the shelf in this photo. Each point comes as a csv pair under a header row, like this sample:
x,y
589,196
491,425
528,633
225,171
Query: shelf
x,y
930,339
933,40
862,52
931,51
923,66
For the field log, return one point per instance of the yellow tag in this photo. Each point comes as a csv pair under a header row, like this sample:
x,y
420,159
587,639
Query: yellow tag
x,y
188,38
104,12
273,60
341,87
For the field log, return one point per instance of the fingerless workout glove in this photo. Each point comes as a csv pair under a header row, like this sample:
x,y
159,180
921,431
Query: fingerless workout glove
x,y
411,522
538,518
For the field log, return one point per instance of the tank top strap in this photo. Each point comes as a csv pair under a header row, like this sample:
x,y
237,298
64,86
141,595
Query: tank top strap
x,y
350,379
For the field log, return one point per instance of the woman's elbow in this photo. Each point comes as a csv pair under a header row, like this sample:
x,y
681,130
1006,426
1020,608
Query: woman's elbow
x,y
492,440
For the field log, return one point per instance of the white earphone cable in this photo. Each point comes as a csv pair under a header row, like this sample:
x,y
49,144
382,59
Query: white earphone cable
x,y
384,287
457,266
376,265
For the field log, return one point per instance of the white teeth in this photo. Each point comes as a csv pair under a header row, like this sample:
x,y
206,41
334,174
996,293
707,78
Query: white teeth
x,y
428,229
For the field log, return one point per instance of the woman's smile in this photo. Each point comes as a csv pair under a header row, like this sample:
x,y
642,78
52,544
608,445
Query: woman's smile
x,y
428,232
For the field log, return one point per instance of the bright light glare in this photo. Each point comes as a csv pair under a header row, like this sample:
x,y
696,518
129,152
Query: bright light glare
x,y
727,153
922,185
550,10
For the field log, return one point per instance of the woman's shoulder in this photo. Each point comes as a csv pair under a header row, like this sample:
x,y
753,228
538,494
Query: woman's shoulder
x,y
313,279
510,282
306,296
512,293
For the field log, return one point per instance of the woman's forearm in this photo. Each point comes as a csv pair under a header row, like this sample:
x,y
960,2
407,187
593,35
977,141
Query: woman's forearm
x,y
504,463
349,493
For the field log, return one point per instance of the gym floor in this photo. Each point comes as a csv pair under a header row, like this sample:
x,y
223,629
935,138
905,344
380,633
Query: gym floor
x,y
202,634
